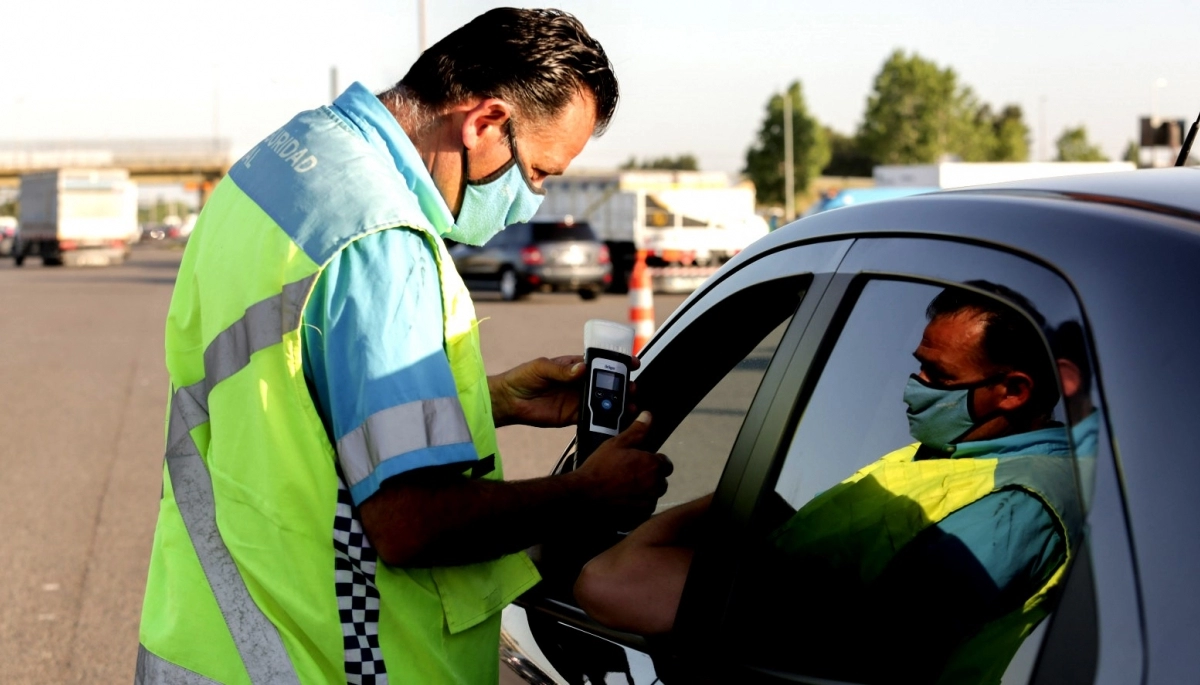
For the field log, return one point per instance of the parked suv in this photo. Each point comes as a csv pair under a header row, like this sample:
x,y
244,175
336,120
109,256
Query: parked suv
x,y
542,255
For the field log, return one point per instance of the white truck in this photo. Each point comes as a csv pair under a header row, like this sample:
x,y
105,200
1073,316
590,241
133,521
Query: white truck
x,y
681,218
962,174
76,217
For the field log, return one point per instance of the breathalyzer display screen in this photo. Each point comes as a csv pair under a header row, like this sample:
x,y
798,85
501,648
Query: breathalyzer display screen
x,y
607,381
607,402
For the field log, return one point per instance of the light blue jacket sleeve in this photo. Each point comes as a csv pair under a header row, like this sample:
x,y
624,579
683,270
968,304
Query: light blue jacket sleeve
x,y
1011,535
374,361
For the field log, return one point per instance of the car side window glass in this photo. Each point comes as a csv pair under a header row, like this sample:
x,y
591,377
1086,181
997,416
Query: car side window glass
x,y
700,388
703,440
929,498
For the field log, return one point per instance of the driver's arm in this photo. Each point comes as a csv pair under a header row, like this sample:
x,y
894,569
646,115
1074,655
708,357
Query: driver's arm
x,y
636,584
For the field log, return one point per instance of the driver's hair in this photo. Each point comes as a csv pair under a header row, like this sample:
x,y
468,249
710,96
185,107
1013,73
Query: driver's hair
x,y
1010,339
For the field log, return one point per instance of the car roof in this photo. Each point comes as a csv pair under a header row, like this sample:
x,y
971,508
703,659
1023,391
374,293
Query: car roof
x,y
1167,189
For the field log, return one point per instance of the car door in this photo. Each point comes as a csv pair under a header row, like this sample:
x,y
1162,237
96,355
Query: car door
x,y
700,377
831,409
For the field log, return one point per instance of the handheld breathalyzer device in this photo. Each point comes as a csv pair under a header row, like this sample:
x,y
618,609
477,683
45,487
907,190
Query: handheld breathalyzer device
x,y
608,354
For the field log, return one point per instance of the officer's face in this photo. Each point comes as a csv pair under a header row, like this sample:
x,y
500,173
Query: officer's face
x,y
485,128
546,147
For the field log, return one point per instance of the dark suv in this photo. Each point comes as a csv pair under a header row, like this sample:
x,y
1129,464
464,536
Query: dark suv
x,y
542,255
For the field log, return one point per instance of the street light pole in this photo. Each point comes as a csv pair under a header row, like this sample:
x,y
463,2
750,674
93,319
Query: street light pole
x,y
1154,87
789,165
421,25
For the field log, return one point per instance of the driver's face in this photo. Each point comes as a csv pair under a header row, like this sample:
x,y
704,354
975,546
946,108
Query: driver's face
x,y
951,350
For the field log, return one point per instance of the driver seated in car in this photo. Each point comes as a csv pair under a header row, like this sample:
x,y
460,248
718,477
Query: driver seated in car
x,y
933,562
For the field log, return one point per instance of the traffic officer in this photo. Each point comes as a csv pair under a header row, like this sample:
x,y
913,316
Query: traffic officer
x,y
333,505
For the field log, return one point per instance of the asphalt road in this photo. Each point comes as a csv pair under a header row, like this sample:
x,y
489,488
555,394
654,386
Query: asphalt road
x,y
82,397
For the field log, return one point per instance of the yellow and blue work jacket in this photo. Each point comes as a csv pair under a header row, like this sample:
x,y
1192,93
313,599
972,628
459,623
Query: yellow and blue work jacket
x,y
866,544
260,572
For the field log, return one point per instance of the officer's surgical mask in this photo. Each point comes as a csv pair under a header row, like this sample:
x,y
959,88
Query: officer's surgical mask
x,y
500,199
939,416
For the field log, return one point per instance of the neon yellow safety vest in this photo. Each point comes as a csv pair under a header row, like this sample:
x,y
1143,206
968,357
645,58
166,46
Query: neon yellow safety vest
x,y
856,527
241,587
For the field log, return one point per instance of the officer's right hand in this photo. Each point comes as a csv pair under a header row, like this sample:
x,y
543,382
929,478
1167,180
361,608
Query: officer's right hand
x,y
625,482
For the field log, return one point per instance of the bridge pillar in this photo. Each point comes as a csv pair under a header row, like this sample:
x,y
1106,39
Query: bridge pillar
x,y
205,189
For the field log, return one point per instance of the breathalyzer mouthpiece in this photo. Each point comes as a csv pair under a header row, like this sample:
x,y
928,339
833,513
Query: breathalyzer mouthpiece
x,y
608,335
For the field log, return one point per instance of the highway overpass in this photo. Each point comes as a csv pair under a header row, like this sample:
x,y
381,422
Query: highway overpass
x,y
194,162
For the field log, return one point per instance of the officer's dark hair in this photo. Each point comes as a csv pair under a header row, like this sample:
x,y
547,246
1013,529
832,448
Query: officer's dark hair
x,y
1009,338
536,59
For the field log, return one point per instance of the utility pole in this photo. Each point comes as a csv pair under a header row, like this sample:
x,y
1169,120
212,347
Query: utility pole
x,y
789,165
216,107
1042,140
333,84
421,34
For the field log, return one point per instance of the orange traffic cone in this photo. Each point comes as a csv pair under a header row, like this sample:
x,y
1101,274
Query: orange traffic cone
x,y
641,303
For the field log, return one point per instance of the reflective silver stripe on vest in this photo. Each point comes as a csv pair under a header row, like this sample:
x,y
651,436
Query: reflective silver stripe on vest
x,y
152,670
256,638
399,430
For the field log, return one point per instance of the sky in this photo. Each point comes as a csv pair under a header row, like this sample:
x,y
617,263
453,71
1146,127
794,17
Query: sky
x,y
694,76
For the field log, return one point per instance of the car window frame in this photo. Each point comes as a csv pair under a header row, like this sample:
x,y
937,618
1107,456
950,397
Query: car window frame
x,y
717,561
817,259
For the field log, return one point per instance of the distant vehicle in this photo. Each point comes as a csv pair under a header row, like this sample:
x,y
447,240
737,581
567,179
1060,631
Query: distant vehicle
x,y
682,218
857,196
947,175
542,255
185,229
76,216
8,234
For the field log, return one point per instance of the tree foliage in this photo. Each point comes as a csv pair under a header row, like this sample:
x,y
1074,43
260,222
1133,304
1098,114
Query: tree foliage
x,y
1073,146
1133,153
919,113
845,157
765,159
684,162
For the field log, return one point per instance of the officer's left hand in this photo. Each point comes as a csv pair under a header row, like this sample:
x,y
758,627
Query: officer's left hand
x,y
543,392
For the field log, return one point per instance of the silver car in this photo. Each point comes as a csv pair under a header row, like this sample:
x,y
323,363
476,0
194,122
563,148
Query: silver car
x,y
541,255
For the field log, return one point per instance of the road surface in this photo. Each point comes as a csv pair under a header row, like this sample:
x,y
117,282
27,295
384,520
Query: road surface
x,y
82,398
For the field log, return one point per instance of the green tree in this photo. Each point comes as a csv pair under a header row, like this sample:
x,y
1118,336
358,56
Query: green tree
x,y
1133,153
845,157
916,113
919,113
685,162
1073,146
764,159
1010,136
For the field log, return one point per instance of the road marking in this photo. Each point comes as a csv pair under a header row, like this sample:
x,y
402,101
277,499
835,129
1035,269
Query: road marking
x,y
50,587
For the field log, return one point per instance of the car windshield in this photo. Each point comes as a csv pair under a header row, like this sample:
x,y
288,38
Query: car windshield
x,y
557,232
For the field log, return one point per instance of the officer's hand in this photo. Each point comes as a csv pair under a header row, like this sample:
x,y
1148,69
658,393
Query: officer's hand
x,y
625,482
543,392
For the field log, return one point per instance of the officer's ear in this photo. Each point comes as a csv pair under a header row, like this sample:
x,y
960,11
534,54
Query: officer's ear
x,y
485,123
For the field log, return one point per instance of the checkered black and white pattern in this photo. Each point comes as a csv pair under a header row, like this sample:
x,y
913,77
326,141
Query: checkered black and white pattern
x,y
358,598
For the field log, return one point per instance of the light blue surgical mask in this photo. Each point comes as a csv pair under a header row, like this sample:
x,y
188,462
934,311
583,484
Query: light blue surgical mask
x,y
500,199
939,416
